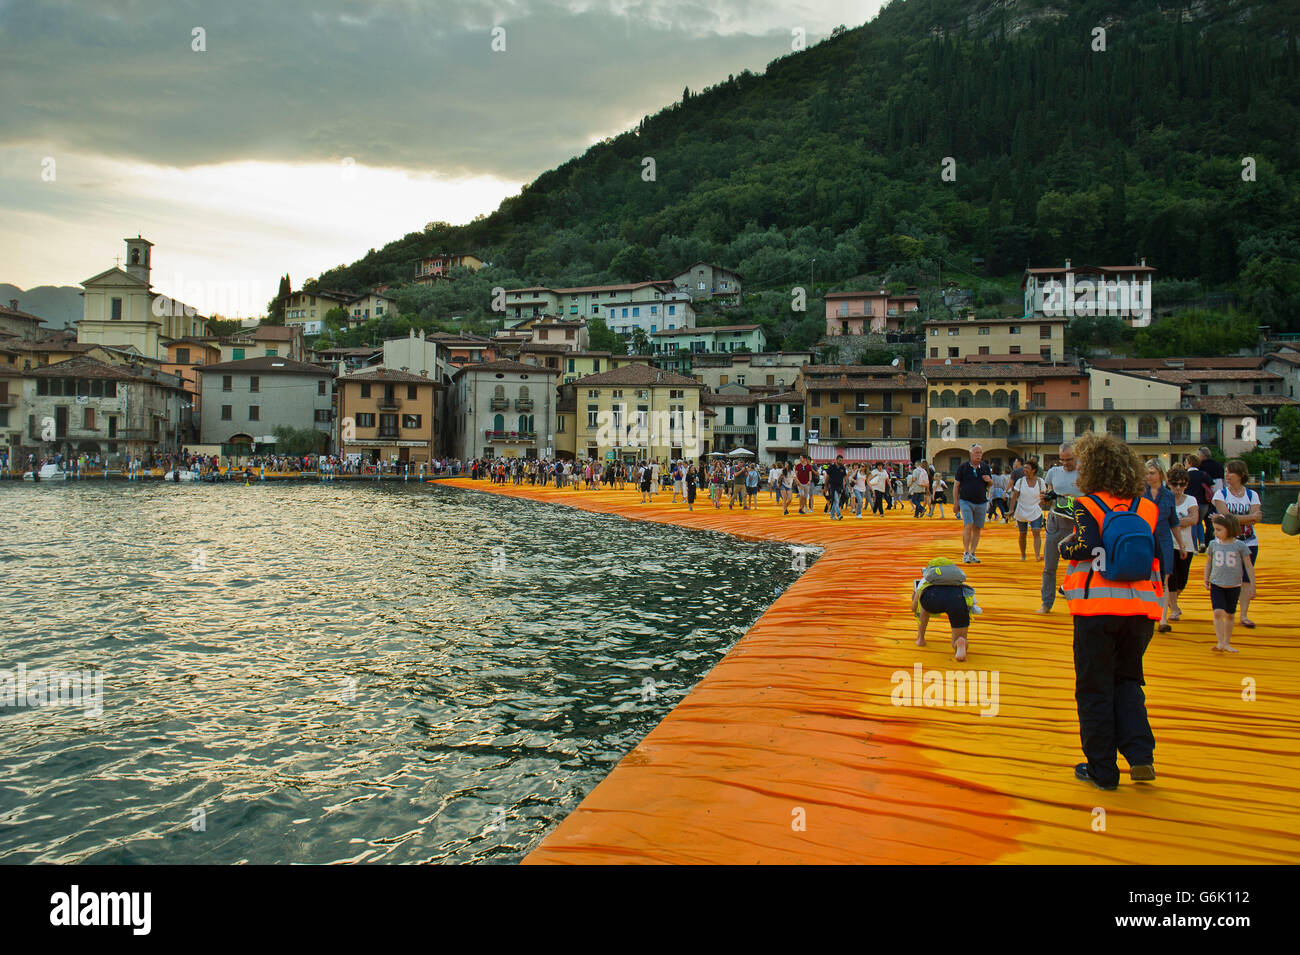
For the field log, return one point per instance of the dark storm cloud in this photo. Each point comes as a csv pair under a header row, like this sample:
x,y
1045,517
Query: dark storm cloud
x,y
408,84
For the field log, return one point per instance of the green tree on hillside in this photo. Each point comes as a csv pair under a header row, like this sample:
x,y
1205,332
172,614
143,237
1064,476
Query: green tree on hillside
x,y
1287,440
602,339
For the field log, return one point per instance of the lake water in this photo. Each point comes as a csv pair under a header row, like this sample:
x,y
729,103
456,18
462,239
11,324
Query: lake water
x,y
330,673
1274,499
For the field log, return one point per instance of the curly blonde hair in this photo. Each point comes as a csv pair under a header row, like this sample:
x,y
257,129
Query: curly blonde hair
x,y
1108,464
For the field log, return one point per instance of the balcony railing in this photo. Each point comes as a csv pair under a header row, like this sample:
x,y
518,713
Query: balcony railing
x,y
389,433
1056,437
500,404
524,404
389,404
510,435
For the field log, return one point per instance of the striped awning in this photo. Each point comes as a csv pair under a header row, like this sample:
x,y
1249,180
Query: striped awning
x,y
828,452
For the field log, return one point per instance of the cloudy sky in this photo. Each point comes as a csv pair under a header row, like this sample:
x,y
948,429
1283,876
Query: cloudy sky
x,y
308,132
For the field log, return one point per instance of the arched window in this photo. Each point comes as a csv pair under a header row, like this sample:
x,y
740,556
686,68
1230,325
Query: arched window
x,y
934,428
983,399
523,391
499,391
963,428
948,399
498,423
530,429
1148,427
934,398
1118,427
523,423
1053,430
1082,425
1000,398
1001,428
1182,430
1015,400
983,429
964,398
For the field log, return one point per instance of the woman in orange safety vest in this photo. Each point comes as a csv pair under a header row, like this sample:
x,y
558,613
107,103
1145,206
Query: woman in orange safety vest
x,y
1113,620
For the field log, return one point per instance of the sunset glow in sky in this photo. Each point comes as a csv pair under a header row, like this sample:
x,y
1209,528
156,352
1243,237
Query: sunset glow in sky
x,y
307,133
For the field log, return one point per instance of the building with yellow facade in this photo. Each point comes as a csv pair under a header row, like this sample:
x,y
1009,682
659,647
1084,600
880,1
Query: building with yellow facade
x,y
637,412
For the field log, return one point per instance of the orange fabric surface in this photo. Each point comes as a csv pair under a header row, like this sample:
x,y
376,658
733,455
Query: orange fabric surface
x,y
799,722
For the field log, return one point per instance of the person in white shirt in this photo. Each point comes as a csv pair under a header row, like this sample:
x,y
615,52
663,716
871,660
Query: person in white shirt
x,y
878,481
774,481
920,481
1235,498
1187,511
654,478
939,487
1027,507
859,484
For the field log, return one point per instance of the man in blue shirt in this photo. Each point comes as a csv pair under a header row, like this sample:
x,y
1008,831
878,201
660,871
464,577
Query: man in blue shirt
x,y
973,478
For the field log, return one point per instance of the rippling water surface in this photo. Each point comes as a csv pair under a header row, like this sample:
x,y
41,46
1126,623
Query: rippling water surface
x,y
332,673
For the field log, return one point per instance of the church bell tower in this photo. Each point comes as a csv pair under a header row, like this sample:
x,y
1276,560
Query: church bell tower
x,y
137,258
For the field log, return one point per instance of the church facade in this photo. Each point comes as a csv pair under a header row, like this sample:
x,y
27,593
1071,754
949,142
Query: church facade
x,y
120,308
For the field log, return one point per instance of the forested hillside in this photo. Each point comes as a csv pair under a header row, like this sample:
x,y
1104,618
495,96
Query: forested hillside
x,y
1176,142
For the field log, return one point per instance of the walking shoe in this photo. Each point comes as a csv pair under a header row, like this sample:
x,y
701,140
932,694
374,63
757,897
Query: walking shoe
x,y
965,558
1081,771
1142,774
1061,591
974,559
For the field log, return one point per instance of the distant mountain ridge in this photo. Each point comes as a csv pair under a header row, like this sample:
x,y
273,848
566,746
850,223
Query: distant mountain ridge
x,y
59,305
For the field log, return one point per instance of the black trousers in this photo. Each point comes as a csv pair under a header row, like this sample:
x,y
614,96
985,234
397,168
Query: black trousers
x,y
1108,690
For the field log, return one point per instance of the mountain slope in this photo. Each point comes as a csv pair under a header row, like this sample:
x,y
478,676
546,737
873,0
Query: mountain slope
x,y
835,154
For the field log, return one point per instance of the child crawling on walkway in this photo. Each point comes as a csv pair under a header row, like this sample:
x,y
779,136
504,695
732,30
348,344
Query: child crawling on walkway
x,y
942,589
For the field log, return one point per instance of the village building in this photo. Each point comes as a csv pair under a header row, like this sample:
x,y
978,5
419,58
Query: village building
x,y
868,413
307,310
868,312
388,415
995,340
244,401
705,281
434,268
1123,291
86,404
637,412
121,309
502,409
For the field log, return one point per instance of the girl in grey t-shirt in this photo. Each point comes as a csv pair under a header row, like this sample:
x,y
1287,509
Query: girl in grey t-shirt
x,y
1227,563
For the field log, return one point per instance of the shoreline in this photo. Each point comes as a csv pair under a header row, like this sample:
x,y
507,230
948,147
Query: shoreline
x,y
792,748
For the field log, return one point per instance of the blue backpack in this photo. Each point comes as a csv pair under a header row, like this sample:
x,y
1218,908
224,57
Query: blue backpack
x,y
1129,544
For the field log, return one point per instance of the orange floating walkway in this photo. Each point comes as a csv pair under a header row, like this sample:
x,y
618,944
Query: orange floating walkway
x,y
792,750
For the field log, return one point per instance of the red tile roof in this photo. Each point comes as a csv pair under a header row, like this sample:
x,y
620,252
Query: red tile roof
x,y
935,371
504,365
389,374
635,374
270,364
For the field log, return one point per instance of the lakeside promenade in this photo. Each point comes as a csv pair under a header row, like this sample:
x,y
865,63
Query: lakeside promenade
x,y
791,750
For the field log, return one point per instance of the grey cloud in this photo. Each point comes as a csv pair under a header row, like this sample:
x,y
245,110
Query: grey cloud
x,y
404,84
